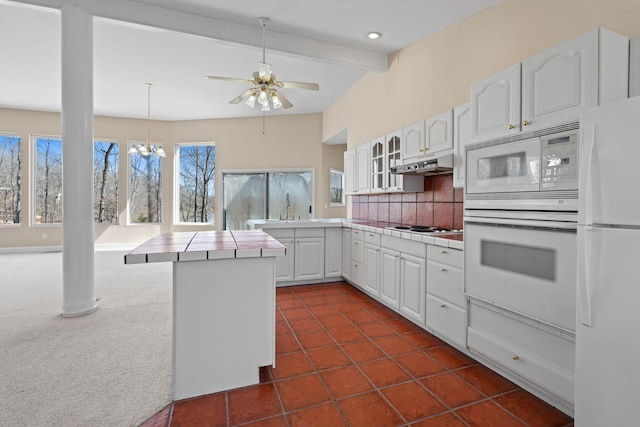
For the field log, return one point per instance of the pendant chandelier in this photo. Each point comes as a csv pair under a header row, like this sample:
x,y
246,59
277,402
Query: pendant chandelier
x,y
147,149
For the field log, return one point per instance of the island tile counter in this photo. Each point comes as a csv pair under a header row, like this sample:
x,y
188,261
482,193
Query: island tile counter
x,y
223,306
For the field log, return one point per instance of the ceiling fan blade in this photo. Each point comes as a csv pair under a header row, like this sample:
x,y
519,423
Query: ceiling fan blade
x,y
242,97
298,85
285,102
231,79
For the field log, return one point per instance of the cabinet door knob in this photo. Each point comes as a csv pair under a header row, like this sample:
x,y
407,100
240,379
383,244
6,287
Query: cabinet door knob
x,y
510,126
515,357
443,305
443,269
525,122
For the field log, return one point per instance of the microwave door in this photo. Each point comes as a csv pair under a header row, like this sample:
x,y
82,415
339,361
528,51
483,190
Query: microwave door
x,y
509,167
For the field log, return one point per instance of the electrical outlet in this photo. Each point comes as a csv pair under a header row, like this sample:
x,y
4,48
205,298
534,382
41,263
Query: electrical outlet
x,y
44,237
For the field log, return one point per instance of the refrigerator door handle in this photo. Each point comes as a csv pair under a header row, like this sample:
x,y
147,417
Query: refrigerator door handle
x,y
586,187
585,291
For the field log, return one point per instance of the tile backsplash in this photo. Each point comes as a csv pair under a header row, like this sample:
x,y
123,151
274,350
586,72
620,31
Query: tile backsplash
x,y
439,205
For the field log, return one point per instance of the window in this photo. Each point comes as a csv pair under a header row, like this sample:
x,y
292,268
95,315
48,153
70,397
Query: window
x,y
47,206
196,183
105,182
268,194
10,168
336,188
145,188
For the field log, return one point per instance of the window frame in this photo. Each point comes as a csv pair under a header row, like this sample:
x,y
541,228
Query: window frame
x,y
33,158
130,144
343,201
312,171
20,172
176,186
117,142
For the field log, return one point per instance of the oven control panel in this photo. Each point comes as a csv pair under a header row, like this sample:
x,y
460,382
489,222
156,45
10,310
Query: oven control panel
x,y
559,159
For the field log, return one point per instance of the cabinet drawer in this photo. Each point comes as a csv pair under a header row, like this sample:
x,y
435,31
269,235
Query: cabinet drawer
x,y
534,370
372,238
544,355
357,251
448,320
446,282
404,246
280,233
310,232
447,256
357,234
544,342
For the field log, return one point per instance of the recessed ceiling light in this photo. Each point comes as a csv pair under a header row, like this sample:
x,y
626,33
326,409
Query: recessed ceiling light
x,y
374,35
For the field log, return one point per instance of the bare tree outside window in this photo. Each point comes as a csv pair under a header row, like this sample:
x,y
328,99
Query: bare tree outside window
x,y
10,169
336,187
105,182
48,180
197,183
145,189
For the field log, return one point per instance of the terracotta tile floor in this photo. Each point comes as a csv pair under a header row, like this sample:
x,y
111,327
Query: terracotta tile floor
x,y
344,359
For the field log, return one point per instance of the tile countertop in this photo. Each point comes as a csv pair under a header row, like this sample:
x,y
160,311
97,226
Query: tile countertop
x,y
204,245
447,240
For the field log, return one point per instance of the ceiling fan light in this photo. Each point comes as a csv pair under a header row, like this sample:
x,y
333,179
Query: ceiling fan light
x,y
276,101
264,71
251,101
263,99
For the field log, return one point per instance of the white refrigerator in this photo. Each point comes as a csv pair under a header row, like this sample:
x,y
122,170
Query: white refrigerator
x,y
607,374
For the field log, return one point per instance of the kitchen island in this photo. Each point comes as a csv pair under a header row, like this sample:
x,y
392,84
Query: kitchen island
x,y
223,306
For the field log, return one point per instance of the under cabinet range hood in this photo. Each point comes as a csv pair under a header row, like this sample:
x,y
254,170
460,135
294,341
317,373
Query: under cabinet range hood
x,y
436,166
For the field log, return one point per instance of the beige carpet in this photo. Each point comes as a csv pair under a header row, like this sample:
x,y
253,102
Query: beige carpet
x,y
110,368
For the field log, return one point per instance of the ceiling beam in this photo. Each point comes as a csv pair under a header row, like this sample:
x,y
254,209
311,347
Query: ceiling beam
x,y
225,31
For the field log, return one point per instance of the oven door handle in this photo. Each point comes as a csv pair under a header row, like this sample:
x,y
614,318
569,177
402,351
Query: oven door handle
x,y
585,290
529,223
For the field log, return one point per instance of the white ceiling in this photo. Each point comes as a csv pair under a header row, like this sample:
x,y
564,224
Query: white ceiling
x,y
323,42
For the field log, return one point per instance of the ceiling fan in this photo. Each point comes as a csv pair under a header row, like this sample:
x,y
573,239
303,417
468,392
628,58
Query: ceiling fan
x,y
265,84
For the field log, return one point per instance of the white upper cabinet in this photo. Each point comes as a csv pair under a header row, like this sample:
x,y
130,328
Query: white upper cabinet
x,y
413,141
350,172
377,170
438,133
386,153
362,168
585,71
495,105
550,88
461,137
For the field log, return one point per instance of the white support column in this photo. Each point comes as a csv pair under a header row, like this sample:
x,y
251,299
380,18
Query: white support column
x,y
78,268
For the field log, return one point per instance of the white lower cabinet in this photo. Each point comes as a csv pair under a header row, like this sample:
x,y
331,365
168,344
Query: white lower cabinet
x,y
346,253
332,252
284,264
413,288
312,253
446,302
372,263
309,258
357,258
390,277
449,320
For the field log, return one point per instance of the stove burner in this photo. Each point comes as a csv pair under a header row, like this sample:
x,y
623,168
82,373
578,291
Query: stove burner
x,y
423,229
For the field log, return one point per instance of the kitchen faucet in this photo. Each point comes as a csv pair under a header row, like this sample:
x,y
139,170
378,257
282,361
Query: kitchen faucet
x,y
287,205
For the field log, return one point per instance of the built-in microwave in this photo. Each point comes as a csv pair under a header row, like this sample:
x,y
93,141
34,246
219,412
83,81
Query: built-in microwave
x,y
538,171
